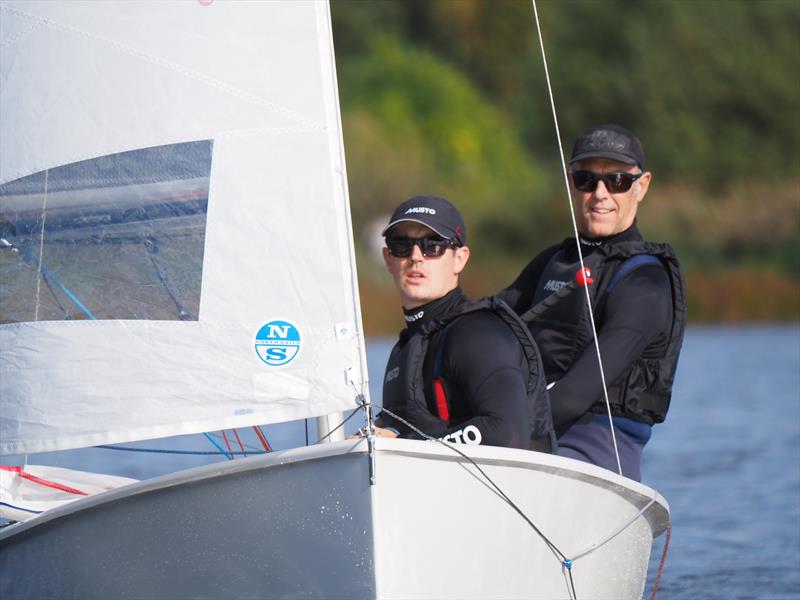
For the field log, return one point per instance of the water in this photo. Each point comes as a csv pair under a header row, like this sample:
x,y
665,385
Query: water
x,y
727,460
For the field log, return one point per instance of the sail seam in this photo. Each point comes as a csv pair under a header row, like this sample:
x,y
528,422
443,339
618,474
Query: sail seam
x,y
22,34
242,133
197,76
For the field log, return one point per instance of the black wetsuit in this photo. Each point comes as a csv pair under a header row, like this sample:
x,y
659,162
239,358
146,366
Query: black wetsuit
x,y
482,369
633,320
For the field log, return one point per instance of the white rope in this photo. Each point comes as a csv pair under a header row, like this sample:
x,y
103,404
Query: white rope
x,y
41,248
577,237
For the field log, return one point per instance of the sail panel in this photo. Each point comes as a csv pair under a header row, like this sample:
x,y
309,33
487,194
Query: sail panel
x,y
277,333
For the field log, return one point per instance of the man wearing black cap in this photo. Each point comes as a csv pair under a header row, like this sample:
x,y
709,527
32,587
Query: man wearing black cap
x,y
462,371
639,308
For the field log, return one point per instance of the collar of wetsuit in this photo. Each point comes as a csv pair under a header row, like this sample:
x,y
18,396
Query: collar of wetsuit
x,y
631,234
416,318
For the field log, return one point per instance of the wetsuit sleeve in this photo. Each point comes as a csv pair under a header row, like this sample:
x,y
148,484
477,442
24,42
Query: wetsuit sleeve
x,y
638,312
486,372
519,295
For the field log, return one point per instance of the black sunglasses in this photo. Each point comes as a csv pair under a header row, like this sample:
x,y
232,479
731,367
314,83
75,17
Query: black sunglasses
x,y
431,247
616,183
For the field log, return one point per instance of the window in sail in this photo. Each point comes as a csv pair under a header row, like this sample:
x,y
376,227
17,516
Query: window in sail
x,y
115,237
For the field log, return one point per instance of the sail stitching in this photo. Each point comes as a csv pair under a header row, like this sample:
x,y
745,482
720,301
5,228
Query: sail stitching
x,y
22,34
241,133
211,81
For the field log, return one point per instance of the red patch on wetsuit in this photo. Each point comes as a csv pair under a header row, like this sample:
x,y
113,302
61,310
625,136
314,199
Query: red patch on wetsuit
x,y
441,399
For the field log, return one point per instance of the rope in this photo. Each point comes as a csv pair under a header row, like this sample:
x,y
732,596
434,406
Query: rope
x,y
25,255
262,438
166,451
239,440
151,246
661,563
577,237
227,443
216,444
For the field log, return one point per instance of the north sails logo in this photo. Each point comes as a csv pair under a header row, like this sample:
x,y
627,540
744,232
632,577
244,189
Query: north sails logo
x,y
277,343
414,317
554,285
421,209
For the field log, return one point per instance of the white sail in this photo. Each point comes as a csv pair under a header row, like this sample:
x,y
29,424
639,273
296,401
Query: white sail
x,y
214,132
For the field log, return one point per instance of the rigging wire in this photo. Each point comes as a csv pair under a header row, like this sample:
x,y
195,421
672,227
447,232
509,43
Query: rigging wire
x,y
340,425
577,237
566,562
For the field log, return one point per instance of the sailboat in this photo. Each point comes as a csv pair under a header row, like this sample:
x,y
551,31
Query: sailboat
x,y
177,257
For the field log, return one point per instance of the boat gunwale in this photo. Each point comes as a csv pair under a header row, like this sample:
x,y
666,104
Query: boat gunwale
x,y
638,494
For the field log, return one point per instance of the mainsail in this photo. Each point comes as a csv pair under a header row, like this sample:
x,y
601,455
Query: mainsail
x,y
170,178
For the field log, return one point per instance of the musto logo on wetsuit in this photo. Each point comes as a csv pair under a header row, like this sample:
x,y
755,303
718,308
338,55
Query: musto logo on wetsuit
x,y
469,435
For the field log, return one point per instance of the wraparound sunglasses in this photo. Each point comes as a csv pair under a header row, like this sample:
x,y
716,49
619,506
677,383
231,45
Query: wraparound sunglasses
x,y
616,183
431,247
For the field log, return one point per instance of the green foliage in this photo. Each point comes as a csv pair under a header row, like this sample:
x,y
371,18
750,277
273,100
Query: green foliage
x,y
450,97
413,125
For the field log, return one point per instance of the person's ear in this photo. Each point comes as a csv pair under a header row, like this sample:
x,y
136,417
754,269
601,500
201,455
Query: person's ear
x,y
461,258
642,185
387,259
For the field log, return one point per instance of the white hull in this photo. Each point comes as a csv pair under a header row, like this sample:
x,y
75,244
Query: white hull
x,y
308,523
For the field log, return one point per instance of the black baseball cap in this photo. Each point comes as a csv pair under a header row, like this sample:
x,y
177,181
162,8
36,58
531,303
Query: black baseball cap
x,y
609,141
433,212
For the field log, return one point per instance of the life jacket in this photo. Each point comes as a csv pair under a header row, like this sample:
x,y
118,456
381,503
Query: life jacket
x,y
563,330
424,407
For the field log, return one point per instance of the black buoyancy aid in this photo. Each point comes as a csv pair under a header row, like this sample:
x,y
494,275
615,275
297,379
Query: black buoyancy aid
x,y
436,405
564,331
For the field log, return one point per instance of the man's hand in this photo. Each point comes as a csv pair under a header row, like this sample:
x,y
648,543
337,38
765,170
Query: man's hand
x,y
379,432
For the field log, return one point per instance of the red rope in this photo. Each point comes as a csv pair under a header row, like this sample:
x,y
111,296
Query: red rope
x,y
262,438
227,443
661,563
40,481
241,446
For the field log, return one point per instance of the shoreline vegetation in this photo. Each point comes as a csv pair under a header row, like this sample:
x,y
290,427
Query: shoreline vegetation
x,y
450,99
732,295
737,295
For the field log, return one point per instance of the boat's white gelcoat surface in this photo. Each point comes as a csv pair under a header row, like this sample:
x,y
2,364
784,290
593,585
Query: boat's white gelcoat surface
x,y
307,523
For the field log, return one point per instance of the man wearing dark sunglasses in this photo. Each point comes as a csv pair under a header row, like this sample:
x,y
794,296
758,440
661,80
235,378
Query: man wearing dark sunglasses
x,y
462,371
639,308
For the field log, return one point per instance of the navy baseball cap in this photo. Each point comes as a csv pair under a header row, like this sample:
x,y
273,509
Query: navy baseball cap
x,y
609,141
433,212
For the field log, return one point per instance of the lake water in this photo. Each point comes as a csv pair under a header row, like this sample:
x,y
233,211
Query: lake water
x,y
727,460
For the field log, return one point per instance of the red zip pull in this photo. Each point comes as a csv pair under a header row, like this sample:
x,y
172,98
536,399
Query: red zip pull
x,y
583,277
